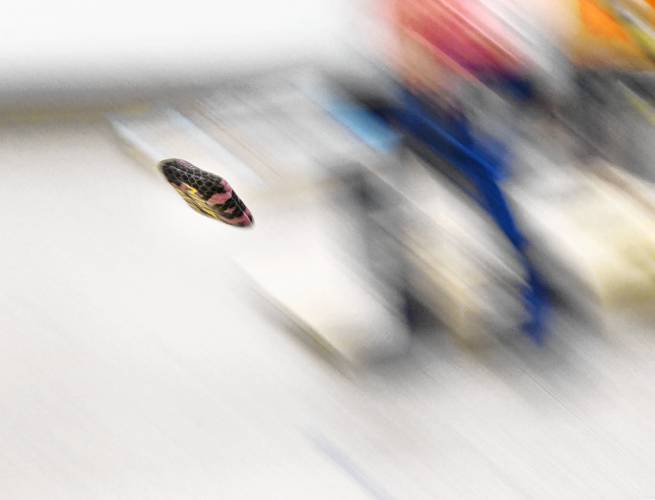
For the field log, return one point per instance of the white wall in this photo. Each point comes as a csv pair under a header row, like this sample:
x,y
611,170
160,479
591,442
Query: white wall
x,y
70,45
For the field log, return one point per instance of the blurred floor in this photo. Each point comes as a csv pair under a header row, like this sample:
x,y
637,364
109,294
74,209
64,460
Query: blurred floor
x,y
133,367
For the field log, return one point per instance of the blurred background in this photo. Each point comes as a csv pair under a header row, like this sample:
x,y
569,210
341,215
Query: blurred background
x,y
448,290
99,52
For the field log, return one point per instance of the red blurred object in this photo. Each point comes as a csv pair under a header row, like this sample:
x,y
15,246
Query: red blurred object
x,y
461,36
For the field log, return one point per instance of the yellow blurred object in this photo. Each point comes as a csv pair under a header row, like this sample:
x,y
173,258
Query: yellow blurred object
x,y
603,236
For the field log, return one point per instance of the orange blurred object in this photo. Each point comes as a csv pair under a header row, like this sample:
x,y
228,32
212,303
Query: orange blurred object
x,y
601,23
603,40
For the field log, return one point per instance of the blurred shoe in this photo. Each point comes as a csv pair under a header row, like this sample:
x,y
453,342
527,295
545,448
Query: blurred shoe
x,y
206,193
